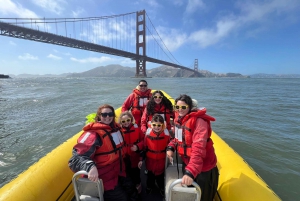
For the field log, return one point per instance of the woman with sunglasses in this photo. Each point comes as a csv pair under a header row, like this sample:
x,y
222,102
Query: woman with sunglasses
x,y
137,101
158,104
155,143
193,143
100,151
134,141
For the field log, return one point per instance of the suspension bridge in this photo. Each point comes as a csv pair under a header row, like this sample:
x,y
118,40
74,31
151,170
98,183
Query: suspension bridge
x,y
130,35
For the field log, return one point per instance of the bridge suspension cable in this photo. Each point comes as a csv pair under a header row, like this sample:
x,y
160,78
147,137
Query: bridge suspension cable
x,y
172,60
114,35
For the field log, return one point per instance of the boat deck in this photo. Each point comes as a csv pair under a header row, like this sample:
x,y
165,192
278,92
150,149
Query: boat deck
x,y
154,195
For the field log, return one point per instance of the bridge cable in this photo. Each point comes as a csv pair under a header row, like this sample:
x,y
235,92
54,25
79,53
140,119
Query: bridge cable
x,y
162,40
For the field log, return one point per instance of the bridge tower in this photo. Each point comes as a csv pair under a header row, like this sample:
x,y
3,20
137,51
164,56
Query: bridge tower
x,y
140,44
196,73
196,65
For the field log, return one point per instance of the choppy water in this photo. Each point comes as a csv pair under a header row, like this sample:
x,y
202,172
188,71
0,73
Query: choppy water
x,y
259,118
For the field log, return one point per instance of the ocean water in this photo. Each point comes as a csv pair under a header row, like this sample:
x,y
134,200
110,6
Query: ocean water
x,y
258,118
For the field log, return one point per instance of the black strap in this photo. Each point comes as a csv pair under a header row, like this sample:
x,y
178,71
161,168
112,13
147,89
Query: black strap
x,y
156,152
120,158
64,191
184,143
177,161
128,131
109,152
155,138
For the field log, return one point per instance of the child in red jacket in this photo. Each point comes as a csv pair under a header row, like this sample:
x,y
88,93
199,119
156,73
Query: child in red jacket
x,y
155,143
134,140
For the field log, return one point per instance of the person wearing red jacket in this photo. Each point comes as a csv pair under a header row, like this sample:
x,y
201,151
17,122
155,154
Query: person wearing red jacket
x,y
137,101
193,143
155,144
134,141
158,104
99,151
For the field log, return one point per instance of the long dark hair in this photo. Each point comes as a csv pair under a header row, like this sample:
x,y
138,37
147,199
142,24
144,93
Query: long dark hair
x,y
151,103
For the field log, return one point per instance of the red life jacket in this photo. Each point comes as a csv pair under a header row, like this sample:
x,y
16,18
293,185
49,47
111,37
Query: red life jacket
x,y
109,156
131,137
157,144
139,103
163,111
184,130
112,148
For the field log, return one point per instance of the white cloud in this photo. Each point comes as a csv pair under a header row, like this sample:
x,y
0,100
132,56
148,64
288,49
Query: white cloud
x,y
55,6
193,6
51,56
7,7
63,53
177,2
104,31
28,56
152,3
127,62
78,12
67,54
251,13
172,38
207,37
259,11
12,43
92,59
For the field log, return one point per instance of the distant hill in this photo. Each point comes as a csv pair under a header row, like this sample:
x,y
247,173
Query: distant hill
x,y
161,71
262,75
107,71
37,75
116,70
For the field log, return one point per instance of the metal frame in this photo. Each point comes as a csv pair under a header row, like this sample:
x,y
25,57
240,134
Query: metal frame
x,y
178,181
74,181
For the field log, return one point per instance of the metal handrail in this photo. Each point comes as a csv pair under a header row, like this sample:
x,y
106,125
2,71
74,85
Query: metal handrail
x,y
99,183
178,181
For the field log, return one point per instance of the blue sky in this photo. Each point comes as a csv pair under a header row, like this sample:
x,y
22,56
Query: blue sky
x,y
239,36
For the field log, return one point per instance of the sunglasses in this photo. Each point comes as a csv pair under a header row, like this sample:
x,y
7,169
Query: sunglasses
x,y
127,120
184,107
160,97
110,114
158,125
143,85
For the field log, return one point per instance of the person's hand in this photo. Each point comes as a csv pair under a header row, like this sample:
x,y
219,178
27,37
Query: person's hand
x,y
140,164
186,180
134,148
170,156
93,174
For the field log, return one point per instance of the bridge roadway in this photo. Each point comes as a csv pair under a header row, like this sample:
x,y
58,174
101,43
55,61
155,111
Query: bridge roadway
x,y
11,30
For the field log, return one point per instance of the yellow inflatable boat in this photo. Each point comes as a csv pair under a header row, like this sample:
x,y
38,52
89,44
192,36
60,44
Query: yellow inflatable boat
x,y
47,180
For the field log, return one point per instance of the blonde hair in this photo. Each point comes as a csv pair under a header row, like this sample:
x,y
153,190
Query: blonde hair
x,y
128,113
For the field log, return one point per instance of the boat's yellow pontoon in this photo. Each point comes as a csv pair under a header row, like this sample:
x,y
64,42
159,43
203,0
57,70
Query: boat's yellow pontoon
x,y
50,178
